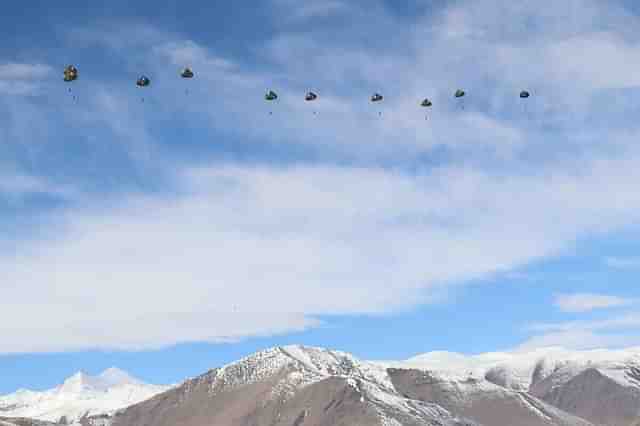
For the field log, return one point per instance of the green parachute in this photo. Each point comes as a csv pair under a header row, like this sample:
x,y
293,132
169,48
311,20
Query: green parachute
x,y
271,96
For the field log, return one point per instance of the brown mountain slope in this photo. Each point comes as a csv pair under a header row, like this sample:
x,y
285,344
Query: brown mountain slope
x,y
287,387
592,395
481,401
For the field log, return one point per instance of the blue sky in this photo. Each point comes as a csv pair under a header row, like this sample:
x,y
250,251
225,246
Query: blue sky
x,y
170,236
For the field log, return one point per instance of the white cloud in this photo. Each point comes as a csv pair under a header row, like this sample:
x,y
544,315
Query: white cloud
x,y
250,251
16,71
584,302
623,262
617,331
307,9
22,79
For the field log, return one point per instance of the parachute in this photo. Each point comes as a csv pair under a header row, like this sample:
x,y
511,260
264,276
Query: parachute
x,y
460,94
143,81
187,73
377,97
426,103
71,74
271,96
524,94
310,97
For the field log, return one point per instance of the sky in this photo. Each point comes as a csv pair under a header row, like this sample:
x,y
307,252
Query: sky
x,y
172,229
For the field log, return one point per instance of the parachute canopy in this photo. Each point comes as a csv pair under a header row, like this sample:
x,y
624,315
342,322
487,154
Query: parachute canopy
x,y
310,96
271,96
143,81
187,73
426,103
377,97
70,73
524,94
459,93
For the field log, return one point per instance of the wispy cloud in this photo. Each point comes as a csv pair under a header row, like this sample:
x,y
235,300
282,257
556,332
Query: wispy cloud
x,y
623,262
616,331
585,302
22,79
307,9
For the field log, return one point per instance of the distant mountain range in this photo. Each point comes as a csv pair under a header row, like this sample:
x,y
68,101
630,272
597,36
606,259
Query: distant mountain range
x,y
80,395
305,386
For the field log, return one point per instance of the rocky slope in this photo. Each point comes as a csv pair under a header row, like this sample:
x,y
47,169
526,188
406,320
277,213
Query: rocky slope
x,y
601,386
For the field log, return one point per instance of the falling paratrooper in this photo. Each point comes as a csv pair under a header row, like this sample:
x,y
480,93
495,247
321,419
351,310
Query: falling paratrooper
x,y
142,82
310,97
70,75
377,97
270,96
459,95
426,103
187,73
524,95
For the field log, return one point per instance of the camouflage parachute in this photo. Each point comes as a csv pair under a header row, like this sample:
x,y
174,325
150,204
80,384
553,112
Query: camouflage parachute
x,y
271,96
187,73
143,81
70,73
376,97
524,94
309,97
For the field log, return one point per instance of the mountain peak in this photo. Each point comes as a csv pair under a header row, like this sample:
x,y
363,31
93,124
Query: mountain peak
x,y
114,376
79,382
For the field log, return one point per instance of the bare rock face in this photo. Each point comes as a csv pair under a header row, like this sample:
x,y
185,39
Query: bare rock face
x,y
593,395
480,400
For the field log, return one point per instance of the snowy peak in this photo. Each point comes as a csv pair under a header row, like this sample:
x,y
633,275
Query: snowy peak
x,y
80,394
108,379
115,377
81,382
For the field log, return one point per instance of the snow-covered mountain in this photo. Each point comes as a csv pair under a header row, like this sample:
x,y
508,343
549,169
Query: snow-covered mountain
x,y
520,370
601,386
299,385
292,385
79,395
